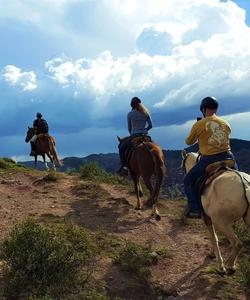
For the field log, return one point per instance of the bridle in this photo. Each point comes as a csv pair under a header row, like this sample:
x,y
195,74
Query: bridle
x,y
183,165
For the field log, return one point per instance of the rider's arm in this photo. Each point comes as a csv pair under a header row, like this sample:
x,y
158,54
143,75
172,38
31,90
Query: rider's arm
x,y
149,121
129,123
192,137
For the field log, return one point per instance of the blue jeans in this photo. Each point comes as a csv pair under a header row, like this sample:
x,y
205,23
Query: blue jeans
x,y
192,193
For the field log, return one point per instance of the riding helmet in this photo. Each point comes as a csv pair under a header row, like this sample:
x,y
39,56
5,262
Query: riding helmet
x,y
39,115
209,102
135,101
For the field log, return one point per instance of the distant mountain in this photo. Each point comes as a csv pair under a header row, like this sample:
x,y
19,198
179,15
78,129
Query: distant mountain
x,y
174,179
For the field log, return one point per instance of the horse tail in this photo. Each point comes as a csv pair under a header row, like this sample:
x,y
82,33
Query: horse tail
x,y
159,170
52,149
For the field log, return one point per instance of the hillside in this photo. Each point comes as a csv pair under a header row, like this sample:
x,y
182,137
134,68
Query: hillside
x,y
185,272
173,183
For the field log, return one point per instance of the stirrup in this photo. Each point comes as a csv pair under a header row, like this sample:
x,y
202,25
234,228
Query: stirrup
x,y
123,171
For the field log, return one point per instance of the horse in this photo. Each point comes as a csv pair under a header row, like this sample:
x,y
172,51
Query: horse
x,y
224,200
146,160
45,145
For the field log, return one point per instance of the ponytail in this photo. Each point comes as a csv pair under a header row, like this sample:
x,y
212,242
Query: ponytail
x,y
140,107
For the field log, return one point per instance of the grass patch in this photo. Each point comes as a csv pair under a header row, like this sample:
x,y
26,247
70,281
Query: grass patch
x,y
136,259
218,287
93,171
9,164
50,262
52,176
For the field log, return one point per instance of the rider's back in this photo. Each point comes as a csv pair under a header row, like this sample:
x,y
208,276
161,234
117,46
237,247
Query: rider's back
x,y
213,134
41,126
138,121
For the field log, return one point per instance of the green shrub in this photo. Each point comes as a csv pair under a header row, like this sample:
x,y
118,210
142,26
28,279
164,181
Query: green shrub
x,y
44,261
52,176
9,164
136,259
91,170
5,163
94,171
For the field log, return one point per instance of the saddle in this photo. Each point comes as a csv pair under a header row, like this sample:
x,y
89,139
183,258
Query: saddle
x,y
213,171
135,142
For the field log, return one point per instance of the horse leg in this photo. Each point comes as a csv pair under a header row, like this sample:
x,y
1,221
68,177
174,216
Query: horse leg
x,y
52,161
135,178
236,244
45,162
152,199
246,219
215,250
149,186
35,161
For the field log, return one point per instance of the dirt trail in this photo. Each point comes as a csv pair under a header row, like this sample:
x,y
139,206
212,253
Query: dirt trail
x,y
111,208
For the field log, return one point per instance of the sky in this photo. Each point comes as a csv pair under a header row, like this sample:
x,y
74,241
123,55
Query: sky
x,y
79,62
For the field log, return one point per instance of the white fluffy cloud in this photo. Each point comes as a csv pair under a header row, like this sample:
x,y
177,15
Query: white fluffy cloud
x,y
169,53
15,77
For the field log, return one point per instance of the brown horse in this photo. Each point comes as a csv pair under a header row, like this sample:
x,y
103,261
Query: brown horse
x,y
45,145
146,161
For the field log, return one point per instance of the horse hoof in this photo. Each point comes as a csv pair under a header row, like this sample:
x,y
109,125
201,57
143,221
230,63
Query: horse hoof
x,y
157,217
231,271
211,256
222,272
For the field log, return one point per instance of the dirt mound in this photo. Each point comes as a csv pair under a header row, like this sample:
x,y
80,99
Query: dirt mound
x,y
186,273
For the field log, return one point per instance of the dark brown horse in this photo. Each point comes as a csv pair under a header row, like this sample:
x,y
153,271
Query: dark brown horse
x,y
146,161
45,145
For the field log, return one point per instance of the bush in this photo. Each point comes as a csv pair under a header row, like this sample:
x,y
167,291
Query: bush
x,y
52,176
46,262
91,171
136,259
6,163
94,171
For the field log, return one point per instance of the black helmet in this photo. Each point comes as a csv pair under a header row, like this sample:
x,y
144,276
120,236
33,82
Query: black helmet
x,y
209,102
135,101
38,115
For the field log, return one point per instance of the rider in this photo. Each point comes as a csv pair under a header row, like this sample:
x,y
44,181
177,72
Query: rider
x,y
41,126
139,123
213,135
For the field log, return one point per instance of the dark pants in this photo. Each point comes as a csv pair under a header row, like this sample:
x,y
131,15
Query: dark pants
x,y
124,145
194,203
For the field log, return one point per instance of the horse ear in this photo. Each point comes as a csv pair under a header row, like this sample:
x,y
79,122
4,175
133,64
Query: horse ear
x,y
119,139
28,127
183,153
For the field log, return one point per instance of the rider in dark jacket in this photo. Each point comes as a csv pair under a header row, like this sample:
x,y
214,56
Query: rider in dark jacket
x,y
41,126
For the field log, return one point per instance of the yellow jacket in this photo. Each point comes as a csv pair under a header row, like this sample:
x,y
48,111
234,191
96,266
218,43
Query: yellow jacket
x,y
213,135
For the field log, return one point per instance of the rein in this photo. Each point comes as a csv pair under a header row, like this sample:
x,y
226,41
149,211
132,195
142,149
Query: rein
x,y
183,165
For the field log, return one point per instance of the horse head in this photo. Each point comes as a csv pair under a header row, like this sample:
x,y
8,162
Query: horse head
x,y
188,160
30,133
121,140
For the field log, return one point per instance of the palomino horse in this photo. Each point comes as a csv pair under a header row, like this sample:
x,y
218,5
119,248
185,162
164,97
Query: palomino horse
x,y
45,145
145,161
224,201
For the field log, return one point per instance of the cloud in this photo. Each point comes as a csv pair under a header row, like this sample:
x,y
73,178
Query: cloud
x,y
101,53
15,77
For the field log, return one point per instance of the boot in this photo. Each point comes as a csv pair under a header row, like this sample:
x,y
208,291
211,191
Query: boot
x,y
33,149
123,171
